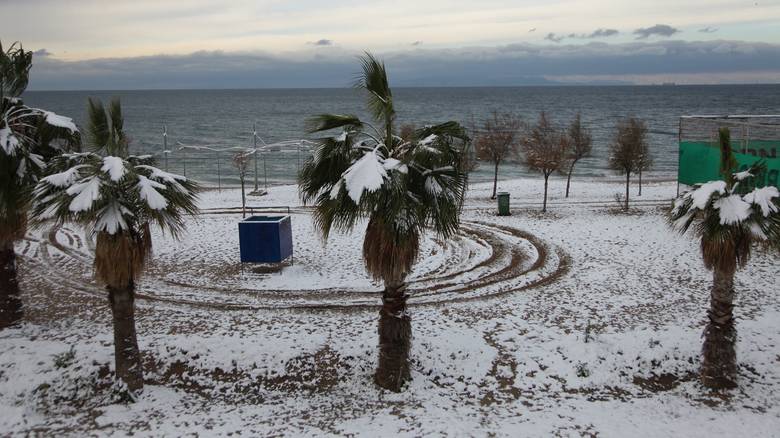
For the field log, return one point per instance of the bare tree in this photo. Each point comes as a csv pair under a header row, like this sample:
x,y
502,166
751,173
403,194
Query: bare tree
x,y
545,150
407,132
626,149
241,163
497,141
580,146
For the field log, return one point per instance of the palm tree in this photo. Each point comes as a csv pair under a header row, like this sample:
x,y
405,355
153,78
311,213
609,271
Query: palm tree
x,y
728,225
28,138
118,197
402,187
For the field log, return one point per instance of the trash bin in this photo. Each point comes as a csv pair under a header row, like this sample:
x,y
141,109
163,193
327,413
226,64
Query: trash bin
x,y
265,239
503,204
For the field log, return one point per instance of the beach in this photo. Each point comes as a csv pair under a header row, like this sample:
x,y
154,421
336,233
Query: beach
x,y
595,332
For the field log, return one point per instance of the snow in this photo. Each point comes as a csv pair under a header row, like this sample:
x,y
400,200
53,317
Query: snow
x,y
66,178
763,198
341,137
732,209
432,186
114,167
515,364
741,176
60,121
86,191
334,191
366,174
110,218
8,141
701,195
148,192
427,141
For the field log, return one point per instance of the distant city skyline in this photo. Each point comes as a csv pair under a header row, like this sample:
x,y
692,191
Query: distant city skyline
x,y
147,44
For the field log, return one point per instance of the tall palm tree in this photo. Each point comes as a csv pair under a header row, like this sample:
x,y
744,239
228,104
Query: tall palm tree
x,y
118,197
728,225
28,138
402,187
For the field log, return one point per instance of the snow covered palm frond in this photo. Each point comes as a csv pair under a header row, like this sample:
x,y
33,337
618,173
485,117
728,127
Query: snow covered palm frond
x,y
403,184
366,174
112,194
726,222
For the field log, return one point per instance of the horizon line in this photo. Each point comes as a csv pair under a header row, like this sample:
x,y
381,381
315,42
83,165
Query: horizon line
x,y
660,85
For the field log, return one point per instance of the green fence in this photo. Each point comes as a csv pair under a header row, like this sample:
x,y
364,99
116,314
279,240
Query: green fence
x,y
700,161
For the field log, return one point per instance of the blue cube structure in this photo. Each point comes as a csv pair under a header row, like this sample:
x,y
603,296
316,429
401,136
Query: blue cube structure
x,y
265,239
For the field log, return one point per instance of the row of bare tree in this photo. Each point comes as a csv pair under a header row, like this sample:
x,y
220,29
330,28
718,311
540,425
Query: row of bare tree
x,y
547,149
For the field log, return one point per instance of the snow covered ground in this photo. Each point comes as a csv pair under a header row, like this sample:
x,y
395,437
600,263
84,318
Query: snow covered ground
x,y
580,321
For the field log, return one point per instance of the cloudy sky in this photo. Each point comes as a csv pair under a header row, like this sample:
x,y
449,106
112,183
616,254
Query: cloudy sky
x,y
86,44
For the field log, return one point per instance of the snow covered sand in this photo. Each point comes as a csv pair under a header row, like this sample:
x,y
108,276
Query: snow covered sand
x,y
602,338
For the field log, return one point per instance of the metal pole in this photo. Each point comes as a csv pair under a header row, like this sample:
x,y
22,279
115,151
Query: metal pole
x,y
679,140
299,158
165,145
265,175
219,175
254,138
184,160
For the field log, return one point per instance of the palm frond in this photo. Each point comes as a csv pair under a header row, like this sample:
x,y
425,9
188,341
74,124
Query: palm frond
x,y
15,64
98,128
379,96
324,122
403,186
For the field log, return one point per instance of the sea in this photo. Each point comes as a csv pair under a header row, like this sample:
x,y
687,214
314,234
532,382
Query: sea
x,y
206,127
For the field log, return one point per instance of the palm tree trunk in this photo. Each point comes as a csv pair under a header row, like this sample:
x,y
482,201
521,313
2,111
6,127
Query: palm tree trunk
x,y
10,301
495,181
544,204
628,180
395,338
719,355
126,353
568,177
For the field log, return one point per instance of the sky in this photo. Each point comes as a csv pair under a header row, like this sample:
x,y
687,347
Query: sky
x,y
152,44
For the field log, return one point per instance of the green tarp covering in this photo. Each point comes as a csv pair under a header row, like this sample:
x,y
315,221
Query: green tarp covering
x,y
700,161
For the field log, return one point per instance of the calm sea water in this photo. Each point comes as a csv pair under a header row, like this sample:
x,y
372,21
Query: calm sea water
x,y
224,118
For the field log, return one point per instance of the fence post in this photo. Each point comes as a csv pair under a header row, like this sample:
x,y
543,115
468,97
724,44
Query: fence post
x,y
254,138
265,174
219,175
184,161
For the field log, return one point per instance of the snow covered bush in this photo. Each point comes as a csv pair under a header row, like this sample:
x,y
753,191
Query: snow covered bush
x,y
118,197
728,225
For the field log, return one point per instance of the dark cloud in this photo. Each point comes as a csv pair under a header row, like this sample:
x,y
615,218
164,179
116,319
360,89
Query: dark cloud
x,y
554,38
708,29
42,52
514,64
417,43
322,42
602,33
598,33
663,30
